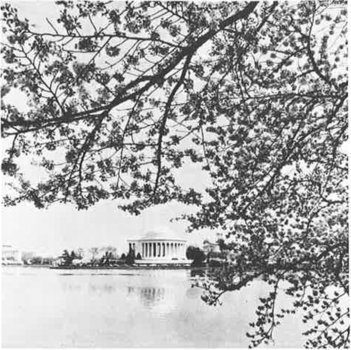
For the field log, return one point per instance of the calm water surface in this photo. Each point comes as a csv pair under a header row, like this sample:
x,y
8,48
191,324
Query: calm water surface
x,y
115,308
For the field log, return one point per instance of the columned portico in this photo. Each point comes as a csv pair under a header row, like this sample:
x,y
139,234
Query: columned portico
x,y
160,249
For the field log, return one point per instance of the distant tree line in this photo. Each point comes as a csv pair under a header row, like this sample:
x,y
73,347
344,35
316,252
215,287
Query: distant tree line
x,y
109,257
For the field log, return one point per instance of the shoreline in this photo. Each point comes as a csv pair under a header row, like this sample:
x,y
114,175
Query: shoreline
x,y
167,267
124,267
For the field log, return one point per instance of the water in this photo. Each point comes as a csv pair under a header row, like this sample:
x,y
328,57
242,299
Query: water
x,y
125,308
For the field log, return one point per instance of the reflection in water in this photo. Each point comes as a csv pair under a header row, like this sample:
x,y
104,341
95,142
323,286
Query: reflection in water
x,y
68,286
159,300
91,288
102,289
149,296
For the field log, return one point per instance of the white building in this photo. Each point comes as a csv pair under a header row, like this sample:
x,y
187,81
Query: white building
x,y
11,256
209,247
159,246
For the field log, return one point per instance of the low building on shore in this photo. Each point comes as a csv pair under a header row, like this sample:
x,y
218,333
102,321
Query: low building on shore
x,y
210,247
10,255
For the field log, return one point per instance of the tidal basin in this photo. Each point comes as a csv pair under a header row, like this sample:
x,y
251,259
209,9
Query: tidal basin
x,y
127,308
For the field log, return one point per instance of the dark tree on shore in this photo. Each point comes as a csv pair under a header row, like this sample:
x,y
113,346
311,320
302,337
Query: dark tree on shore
x,y
37,260
130,258
67,258
121,95
196,255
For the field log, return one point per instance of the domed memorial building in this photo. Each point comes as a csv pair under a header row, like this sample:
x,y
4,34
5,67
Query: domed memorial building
x,y
159,246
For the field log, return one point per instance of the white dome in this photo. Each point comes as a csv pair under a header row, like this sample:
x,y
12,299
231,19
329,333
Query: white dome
x,y
161,233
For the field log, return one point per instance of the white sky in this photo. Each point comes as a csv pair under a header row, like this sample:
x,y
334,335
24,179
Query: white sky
x,y
61,226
